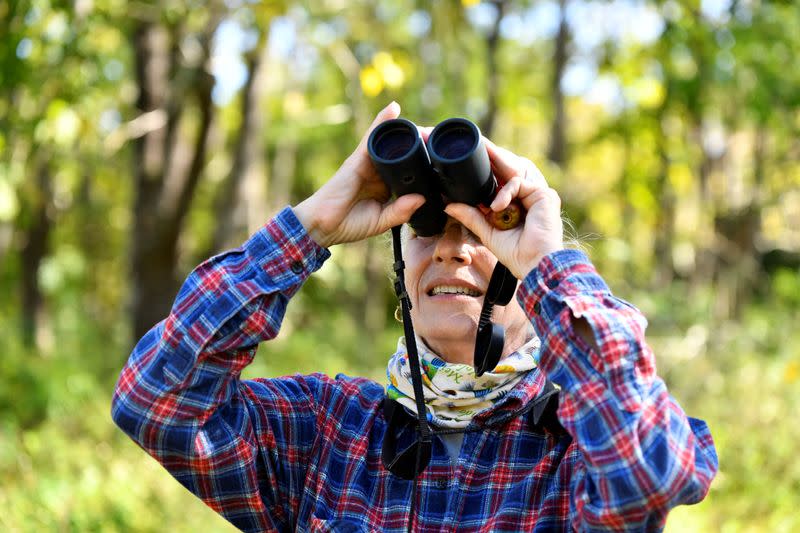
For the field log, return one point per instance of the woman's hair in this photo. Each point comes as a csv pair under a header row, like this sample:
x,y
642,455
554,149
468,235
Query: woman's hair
x,y
571,237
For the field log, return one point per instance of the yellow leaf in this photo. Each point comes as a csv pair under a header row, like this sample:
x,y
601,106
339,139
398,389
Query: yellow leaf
x,y
391,73
680,177
648,93
371,81
792,372
381,60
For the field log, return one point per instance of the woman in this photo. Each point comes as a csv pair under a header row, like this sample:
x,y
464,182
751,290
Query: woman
x,y
304,452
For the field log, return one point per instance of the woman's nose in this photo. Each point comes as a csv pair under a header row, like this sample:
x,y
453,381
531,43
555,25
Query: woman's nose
x,y
453,246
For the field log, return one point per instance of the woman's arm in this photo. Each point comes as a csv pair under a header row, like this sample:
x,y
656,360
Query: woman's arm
x,y
642,456
179,395
243,446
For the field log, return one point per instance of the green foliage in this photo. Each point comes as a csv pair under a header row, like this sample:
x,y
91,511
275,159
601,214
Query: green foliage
x,y
672,145
742,377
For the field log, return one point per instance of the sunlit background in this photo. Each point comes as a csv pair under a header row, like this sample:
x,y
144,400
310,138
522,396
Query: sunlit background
x,y
138,138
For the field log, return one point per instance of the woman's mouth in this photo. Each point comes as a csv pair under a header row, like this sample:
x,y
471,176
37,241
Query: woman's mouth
x,y
453,289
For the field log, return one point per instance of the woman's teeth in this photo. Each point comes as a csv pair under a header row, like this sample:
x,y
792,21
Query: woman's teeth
x,y
449,289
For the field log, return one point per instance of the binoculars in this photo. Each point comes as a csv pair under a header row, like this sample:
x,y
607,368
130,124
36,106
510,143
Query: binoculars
x,y
452,167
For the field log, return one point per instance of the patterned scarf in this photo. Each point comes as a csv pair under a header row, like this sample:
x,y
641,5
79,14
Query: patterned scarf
x,y
453,395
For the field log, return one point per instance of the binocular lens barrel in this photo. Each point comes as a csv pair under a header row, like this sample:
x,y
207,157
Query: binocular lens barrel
x,y
455,167
460,158
453,142
394,141
399,155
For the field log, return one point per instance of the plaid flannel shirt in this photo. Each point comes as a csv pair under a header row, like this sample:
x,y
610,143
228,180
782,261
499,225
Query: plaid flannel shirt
x,y
303,452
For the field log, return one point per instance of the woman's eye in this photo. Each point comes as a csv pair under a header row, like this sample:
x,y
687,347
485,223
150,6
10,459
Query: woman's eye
x,y
468,236
415,235
430,238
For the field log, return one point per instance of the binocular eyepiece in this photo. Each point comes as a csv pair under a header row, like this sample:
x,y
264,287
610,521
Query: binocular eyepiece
x,y
453,167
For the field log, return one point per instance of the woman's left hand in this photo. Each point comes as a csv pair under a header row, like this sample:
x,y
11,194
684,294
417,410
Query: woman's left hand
x,y
521,248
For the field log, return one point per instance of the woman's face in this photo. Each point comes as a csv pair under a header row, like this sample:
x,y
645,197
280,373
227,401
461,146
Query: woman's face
x,y
446,279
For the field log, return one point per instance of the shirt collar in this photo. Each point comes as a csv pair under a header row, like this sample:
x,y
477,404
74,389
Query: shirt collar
x,y
520,396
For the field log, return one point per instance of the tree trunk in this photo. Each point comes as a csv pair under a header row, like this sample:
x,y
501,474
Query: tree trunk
x,y
241,204
707,259
368,307
492,71
33,251
557,152
735,234
665,221
283,171
665,229
167,167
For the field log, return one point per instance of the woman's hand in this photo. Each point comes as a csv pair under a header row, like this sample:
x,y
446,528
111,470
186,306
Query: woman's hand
x,y
521,248
353,204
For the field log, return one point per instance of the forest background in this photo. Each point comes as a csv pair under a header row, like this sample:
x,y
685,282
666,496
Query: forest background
x,y
137,138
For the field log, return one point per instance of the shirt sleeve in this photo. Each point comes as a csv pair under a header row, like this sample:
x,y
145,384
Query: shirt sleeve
x,y
641,454
180,397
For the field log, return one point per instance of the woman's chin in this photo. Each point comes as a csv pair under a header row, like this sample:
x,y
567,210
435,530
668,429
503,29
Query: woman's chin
x,y
454,345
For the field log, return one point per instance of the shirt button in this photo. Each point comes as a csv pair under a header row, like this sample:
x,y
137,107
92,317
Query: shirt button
x,y
537,308
441,483
552,283
296,266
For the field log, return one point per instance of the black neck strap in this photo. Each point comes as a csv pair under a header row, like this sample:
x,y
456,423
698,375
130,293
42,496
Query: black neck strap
x,y
421,451
488,349
490,337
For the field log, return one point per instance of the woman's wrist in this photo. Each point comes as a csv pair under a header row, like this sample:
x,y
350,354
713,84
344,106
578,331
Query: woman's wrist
x,y
531,265
306,212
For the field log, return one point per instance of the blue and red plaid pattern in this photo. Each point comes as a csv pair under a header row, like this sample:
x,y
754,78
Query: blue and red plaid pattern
x,y
303,453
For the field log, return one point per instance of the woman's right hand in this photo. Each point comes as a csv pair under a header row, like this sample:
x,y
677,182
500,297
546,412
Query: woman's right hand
x,y
353,204
542,232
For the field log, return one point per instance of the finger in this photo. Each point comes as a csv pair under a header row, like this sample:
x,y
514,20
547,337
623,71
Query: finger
x,y
505,163
548,195
533,174
555,200
399,211
472,219
389,112
425,132
515,187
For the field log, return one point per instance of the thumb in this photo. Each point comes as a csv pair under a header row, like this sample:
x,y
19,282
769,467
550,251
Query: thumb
x,y
399,211
471,218
389,112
